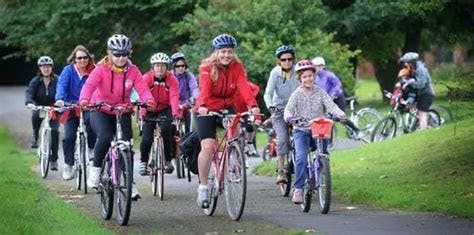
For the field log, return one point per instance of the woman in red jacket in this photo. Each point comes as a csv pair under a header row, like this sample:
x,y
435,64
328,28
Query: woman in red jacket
x,y
220,77
165,90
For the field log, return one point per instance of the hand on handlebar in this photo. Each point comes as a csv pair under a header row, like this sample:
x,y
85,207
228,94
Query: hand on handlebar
x,y
202,110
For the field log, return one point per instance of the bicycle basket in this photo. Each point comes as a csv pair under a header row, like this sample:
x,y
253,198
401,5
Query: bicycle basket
x,y
321,128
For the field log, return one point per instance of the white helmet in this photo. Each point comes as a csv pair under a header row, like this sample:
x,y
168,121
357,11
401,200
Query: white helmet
x,y
43,60
119,42
409,57
318,61
160,57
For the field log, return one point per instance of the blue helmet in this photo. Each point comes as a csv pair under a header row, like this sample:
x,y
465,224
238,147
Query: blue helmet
x,y
224,40
284,49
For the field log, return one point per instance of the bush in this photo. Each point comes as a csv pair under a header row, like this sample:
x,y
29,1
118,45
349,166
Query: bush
x,y
459,80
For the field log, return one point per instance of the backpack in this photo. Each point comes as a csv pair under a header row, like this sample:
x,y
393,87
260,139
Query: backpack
x,y
190,147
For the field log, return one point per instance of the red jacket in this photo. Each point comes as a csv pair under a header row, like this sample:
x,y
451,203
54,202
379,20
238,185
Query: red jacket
x,y
219,95
165,93
240,103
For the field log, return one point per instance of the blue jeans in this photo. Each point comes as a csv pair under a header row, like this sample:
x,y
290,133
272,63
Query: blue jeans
x,y
304,142
69,141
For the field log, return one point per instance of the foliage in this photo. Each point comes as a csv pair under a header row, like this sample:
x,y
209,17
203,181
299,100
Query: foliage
x,y
458,80
262,26
56,27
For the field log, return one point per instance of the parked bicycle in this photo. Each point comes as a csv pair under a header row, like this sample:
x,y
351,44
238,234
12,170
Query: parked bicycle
x,y
269,151
44,150
116,174
228,170
402,116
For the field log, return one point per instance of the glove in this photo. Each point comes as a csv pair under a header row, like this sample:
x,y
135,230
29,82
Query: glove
x,y
150,103
59,103
202,110
30,105
83,103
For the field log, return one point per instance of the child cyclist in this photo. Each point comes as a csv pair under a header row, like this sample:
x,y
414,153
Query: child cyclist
x,y
220,77
112,82
307,101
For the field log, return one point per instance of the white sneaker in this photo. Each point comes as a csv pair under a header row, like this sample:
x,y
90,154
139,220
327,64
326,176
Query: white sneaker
x,y
68,172
202,196
93,180
251,150
135,193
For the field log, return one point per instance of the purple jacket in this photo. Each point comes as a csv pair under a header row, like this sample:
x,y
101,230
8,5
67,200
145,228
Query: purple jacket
x,y
187,87
329,82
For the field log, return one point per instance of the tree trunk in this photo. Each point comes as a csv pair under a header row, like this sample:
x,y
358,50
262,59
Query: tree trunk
x,y
386,74
412,39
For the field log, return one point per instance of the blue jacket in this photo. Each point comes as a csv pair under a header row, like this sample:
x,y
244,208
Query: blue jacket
x,y
69,85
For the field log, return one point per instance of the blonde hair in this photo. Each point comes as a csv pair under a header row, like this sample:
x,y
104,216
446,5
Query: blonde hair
x,y
82,48
213,61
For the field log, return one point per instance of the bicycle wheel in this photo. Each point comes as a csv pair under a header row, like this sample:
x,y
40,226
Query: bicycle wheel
x,y
123,191
445,113
289,169
385,129
307,191
434,119
45,152
212,185
77,165
324,184
160,174
235,181
106,191
83,157
265,155
332,140
180,166
366,119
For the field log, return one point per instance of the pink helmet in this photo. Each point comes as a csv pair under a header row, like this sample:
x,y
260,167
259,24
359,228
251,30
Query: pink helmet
x,y
304,65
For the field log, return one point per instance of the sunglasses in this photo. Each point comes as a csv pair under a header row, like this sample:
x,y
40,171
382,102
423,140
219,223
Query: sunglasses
x,y
286,59
120,54
82,57
180,66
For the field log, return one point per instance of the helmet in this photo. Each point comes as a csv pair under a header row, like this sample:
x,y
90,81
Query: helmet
x,y
409,57
318,61
43,60
284,49
119,42
177,56
223,40
160,57
304,65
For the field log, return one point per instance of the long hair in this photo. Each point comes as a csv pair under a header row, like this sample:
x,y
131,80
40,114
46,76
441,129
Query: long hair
x,y
72,56
213,61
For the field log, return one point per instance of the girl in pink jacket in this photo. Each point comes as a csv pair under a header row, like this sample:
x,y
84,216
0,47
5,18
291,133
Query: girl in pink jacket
x,y
112,82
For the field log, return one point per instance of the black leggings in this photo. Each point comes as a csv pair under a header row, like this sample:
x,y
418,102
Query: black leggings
x,y
167,132
104,126
341,103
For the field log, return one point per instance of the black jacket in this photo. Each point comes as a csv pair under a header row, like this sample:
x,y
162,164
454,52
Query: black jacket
x,y
37,93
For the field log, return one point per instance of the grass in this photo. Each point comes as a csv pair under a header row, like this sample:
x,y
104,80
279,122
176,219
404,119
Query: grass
x,y
29,208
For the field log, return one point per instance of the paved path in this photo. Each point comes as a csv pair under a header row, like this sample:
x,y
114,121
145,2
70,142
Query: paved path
x,y
265,213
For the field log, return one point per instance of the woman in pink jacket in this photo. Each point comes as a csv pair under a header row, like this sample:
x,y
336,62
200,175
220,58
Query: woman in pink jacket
x,y
112,82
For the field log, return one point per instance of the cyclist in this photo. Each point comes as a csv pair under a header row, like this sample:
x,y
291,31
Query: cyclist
x,y
188,87
281,83
112,82
220,76
41,91
308,102
421,83
329,82
165,90
70,83
249,128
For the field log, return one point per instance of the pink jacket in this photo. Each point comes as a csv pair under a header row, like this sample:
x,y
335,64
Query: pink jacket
x,y
114,88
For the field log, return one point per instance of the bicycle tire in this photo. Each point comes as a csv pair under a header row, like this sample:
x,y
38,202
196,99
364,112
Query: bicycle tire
x,y
285,188
160,176
385,129
180,166
366,119
45,152
434,118
84,160
445,113
235,181
212,183
324,185
106,191
307,192
332,141
265,153
154,168
123,192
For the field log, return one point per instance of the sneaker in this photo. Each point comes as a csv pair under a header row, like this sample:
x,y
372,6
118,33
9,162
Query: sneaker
x,y
90,154
93,180
202,196
34,143
143,168
297,196
251,150
135,193
169,168
53,166
68,172
281,177
359,135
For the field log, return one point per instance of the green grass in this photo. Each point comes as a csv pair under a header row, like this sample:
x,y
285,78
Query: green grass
x,y
27,207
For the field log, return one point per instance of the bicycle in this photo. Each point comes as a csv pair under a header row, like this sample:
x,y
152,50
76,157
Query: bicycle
x,y
180,131
318,168
400,117
156,161
44,151
228,171
269,151
116,174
